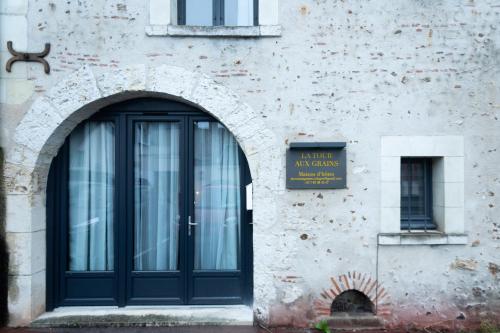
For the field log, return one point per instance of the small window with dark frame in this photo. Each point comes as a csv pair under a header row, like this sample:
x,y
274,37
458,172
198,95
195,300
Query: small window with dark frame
x,y
416,194
235,13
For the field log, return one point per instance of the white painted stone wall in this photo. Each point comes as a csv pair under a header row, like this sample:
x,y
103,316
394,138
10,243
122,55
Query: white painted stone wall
x,y
353,71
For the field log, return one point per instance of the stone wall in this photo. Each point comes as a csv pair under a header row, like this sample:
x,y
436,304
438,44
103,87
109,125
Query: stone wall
x,y
15,90
4,263
353,71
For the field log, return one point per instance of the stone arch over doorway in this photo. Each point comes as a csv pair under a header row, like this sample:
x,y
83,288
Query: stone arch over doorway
x,y
53,116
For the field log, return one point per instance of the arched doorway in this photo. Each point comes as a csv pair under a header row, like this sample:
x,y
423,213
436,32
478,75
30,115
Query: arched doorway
x,y
145,205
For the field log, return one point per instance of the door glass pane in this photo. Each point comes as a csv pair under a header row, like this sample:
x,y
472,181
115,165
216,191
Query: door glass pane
x,y
217,197
238,12
91,197
156,189
199,12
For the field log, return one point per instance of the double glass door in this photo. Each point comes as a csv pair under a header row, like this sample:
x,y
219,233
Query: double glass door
x,y
148,209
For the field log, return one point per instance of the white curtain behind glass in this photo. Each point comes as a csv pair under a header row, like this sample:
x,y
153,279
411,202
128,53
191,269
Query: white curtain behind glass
x,y
217,197
156,196
199,12
91,192
238,12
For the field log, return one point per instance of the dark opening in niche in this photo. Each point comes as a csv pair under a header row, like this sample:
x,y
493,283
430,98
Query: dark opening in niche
x,y
352,301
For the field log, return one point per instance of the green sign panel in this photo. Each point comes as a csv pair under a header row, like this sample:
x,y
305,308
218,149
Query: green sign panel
x,y
319,165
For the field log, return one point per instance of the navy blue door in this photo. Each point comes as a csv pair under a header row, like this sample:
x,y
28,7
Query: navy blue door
x,y
145,206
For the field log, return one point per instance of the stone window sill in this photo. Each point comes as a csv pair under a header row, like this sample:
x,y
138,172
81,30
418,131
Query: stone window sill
x,y
216,31
422,238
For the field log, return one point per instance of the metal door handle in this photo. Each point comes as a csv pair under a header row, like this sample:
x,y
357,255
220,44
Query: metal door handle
x,y
190,224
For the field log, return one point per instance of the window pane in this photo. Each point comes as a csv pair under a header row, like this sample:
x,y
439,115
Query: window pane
x,y
412,188
238,12
217,197
199,12
417,195
156,196
91,197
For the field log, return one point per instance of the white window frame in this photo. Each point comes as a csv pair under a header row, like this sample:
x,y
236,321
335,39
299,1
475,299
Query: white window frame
x,y
163,22
448,189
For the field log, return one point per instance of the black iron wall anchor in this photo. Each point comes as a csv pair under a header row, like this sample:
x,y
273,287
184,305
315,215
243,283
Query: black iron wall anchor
x,y
29,57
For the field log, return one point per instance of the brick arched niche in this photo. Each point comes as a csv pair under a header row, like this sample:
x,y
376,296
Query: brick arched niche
x,y
53,116
361,283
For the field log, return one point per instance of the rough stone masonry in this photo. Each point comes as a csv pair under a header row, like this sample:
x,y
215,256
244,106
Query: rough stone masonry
x,y
352,71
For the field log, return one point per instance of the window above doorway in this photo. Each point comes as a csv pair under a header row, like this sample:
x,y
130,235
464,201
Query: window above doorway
x,y
215,18
231,13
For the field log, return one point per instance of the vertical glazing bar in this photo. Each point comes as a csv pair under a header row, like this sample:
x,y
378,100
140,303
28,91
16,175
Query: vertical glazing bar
x,y
410,181
181,12
429,194
426,204
215,12
256,12
221,12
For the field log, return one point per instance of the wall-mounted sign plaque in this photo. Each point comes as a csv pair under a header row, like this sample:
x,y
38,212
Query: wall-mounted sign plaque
x,y
311,165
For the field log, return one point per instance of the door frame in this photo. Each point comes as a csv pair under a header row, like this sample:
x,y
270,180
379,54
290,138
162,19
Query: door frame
x,y
245,232
154,276
57,209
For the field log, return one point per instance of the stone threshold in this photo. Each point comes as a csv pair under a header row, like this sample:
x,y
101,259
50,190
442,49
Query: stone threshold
x,y
360,322
142,316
